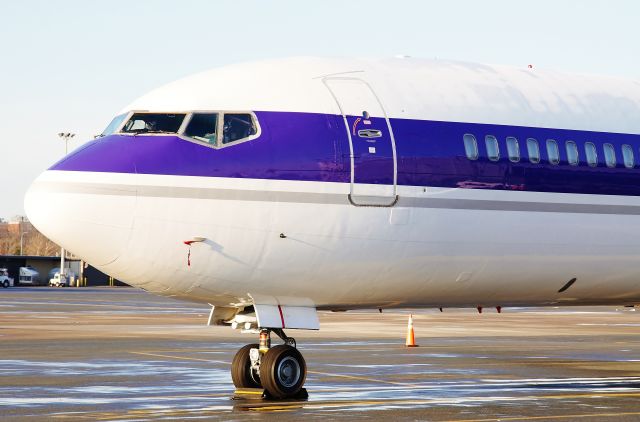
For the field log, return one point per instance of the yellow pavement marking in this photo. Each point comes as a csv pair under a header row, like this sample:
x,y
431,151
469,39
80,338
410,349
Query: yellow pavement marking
x,y
289,406
338,403
355,377
531,418
311,372
187,350
180,357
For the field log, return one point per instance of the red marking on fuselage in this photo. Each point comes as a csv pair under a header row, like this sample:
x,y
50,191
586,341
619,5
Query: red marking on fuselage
x,y
281,316
353,130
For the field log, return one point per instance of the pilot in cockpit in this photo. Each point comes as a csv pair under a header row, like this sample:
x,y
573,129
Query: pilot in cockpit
x,y
236,127
150,125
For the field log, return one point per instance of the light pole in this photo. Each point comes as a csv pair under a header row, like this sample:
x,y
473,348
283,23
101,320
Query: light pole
x,y
21,238
65,136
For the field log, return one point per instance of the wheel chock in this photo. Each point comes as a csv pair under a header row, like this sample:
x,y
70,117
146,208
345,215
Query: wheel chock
x,y
248,394
261,394
300,395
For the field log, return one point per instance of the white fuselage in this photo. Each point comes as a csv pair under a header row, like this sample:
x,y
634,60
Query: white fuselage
x,y
428,254
299,239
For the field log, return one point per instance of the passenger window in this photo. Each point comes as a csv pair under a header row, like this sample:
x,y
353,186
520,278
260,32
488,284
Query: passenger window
x,y
237,126
470,146
203,127
513,149
572,153
553,152
627,156
533,149
609,155
493,151
591,153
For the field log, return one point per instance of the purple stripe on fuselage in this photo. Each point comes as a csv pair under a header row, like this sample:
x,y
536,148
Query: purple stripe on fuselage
x,y
315,147
292,146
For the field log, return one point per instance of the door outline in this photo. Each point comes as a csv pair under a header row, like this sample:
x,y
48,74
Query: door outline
x,y
394,198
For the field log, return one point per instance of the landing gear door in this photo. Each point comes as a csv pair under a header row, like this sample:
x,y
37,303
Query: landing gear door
x,y
371,142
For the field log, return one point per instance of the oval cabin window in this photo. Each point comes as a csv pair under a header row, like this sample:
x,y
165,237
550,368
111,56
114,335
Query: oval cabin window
x,y
609,155
533,150
627,156
572,153
591,153
470,146
493,151
513,149
553,152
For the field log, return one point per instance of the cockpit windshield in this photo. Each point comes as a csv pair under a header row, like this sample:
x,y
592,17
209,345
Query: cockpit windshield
x,y
114,125
153,123
217,129
203,127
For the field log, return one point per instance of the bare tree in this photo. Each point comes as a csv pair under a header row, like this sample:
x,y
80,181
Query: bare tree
x,y
33,243
38,244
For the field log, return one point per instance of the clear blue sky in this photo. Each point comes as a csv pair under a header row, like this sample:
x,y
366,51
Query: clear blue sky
x,y
71,65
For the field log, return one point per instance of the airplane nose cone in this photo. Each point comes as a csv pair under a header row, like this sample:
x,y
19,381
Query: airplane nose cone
x,y
85,215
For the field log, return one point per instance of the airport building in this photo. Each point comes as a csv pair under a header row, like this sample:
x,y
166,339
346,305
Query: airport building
x,y
45,266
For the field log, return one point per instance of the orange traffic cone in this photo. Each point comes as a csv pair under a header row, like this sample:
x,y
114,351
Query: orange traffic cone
x,y
411,338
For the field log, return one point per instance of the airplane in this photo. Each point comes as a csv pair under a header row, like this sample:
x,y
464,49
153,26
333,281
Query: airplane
x,y
273,190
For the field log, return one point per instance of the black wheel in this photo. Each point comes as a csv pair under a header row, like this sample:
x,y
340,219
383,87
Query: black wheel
x,y
5,284
283,371
241,373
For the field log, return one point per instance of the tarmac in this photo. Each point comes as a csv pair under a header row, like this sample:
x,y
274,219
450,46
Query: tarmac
x,y
116,354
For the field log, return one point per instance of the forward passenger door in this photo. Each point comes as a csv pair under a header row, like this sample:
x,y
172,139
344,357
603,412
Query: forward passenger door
x,y
371,142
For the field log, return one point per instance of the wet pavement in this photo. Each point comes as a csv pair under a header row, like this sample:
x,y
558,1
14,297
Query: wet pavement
x,y
122,354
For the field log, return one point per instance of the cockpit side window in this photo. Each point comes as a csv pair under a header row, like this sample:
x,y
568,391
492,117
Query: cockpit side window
x,y
237,126
114,125
154,123
203,127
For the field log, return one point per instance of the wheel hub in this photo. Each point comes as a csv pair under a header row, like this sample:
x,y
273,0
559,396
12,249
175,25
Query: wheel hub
x,y
288,372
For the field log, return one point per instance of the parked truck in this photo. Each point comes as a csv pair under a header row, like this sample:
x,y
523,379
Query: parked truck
x,y
5,280
29,275
58,280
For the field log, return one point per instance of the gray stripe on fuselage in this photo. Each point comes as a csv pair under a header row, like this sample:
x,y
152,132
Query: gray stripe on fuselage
x,y
523,206
333,198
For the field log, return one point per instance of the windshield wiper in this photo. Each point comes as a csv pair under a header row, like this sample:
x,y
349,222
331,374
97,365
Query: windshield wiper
x,y
142,131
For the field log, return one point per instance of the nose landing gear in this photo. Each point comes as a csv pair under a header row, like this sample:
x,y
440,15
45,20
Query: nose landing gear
x,y
280,370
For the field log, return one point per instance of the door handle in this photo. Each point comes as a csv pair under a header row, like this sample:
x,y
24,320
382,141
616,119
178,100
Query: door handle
x,y
369,133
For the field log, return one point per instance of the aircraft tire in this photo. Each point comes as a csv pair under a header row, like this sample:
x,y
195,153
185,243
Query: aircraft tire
x,y
283,371
241,373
